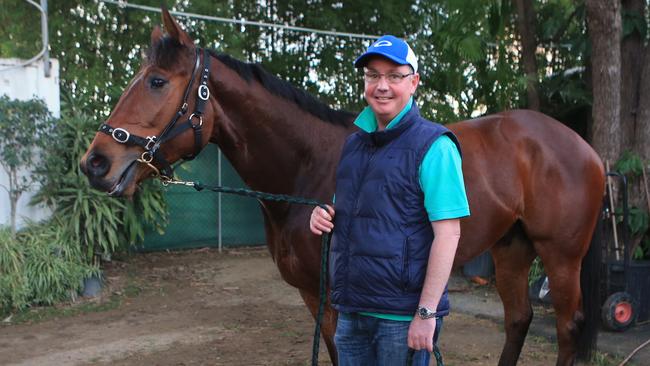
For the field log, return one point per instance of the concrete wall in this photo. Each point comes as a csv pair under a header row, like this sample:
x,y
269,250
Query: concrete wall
x,y
24,83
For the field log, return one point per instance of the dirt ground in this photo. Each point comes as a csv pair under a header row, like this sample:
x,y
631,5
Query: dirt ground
x,y
203,307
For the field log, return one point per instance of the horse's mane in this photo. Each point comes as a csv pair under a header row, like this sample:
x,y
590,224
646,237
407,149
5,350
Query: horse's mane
x,y
284,89
166,51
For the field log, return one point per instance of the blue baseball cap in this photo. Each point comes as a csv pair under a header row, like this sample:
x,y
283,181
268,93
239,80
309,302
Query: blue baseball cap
x,y
392,48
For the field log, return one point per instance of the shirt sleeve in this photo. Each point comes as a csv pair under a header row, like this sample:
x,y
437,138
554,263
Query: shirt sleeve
x,y
441,179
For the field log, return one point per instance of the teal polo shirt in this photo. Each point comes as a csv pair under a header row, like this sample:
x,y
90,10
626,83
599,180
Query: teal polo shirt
x,y
441,179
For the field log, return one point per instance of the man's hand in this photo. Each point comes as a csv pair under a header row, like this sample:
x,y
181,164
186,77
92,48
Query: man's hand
x,y
421,333
321,221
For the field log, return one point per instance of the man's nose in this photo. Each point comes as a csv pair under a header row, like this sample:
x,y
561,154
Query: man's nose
x,y
382,83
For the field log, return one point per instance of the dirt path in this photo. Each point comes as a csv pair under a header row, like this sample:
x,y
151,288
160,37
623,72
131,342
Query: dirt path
x,y
206,308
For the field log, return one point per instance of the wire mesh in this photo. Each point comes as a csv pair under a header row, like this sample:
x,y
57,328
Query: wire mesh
x,y
201,219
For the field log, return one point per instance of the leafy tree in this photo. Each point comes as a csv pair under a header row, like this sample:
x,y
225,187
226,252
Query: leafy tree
x,y
23,129
470,52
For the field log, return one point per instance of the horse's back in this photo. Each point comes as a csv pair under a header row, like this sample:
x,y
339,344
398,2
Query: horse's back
x,y
525,166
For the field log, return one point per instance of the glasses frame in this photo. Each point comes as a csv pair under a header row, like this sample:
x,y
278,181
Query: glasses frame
x,y
392,77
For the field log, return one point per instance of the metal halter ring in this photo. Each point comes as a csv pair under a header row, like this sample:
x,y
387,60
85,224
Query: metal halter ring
x,y
147,157
121,135
200,117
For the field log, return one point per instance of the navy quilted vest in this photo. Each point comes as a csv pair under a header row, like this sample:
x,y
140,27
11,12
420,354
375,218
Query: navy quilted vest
x,y
382,234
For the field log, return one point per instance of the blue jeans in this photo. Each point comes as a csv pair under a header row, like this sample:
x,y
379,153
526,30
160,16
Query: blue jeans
x,y
365,340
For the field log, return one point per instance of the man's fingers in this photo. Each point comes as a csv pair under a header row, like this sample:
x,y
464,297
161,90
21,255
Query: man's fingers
x,y
330,210
323,227
321,221
324,214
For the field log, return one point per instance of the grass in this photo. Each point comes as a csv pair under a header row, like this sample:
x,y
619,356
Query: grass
x,y
605,359
39,314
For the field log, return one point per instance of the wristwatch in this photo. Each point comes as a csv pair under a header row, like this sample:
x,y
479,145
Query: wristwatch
x,y
425,313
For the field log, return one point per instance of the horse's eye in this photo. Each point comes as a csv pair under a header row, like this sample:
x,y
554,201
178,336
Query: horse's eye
x,y
157,83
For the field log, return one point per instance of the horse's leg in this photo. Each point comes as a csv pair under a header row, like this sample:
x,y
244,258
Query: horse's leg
x,y
513,256
328,326
563,271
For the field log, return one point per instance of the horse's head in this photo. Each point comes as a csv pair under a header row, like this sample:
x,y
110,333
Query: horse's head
x,y
157,120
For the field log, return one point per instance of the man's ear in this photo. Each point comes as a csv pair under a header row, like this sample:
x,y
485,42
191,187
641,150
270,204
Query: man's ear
x,y
415,81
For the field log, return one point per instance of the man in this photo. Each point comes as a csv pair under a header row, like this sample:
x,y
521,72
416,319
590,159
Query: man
x,y
399,196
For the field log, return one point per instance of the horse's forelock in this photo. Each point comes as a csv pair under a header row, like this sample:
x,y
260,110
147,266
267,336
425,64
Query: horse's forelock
x,y
166,53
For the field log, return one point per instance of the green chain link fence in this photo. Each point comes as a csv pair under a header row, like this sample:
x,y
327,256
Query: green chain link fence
x,y
208,219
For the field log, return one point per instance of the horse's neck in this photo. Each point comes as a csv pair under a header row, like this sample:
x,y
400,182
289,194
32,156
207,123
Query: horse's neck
x,y
274,145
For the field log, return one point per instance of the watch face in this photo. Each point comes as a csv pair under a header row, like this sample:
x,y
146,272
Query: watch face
x,y
423,312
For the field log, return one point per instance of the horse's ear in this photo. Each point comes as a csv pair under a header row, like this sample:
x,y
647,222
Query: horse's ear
x,y
174,30
156,35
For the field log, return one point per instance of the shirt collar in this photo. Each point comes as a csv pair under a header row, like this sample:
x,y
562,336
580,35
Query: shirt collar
x,y
367,121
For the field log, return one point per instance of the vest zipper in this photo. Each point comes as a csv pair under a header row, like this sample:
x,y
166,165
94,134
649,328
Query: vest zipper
x,y
405,264
355,212
373,151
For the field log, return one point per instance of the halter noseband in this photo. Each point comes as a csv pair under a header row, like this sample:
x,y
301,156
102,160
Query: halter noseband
x,y
151,144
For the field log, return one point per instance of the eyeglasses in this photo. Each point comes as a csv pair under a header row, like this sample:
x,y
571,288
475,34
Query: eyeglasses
x,y
372,77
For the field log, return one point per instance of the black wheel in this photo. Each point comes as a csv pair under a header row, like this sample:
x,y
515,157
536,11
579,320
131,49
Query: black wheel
x,y
619,312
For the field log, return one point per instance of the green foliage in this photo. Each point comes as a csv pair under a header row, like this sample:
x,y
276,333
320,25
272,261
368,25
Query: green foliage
x,y
638,224
630,164
39,266
19,43
101,224
22,127
468,50
536,271
638,220
13,283
634,22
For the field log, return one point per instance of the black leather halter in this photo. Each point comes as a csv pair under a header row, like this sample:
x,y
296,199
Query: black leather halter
x,y
151,144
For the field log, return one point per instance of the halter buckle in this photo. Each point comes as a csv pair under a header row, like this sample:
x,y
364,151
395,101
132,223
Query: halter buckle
x,y
204,92
151,141
120,135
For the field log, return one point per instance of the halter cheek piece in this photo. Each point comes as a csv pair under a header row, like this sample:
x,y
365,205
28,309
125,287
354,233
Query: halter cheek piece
x,y
151,144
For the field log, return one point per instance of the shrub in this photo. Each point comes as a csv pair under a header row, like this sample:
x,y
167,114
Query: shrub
x,y
23,124
13,284
39,266
101,224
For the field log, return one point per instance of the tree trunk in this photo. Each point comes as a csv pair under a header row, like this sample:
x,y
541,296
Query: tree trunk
x,y
635,134
526,30
642,145
631,58
604,23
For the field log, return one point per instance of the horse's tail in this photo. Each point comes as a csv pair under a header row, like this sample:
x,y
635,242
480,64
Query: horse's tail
x,y
590,284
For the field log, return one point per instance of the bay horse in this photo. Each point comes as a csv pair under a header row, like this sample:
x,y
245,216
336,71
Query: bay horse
x,y
534,186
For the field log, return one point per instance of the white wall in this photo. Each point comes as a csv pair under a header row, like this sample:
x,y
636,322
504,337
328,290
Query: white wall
x,y
25,83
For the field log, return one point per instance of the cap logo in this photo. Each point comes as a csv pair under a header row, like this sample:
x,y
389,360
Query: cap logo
x,y
382,43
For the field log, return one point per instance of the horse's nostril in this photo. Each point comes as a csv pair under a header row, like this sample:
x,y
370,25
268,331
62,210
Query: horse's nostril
x,y
97,165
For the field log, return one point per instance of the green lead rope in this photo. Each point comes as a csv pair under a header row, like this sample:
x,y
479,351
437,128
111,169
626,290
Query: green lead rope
x,y
436,354
324,253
